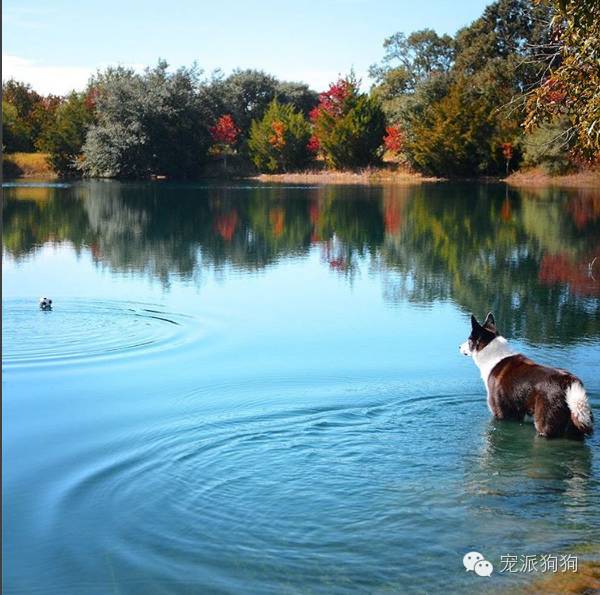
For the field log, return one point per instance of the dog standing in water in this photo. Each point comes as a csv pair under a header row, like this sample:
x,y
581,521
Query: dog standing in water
x,y
518,387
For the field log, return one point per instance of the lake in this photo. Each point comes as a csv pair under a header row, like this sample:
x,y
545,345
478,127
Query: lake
x,y
257,389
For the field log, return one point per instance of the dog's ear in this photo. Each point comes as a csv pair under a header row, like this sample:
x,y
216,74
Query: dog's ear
x,y
490,322
474,323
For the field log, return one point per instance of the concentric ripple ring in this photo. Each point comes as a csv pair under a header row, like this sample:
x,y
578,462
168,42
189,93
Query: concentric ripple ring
x,y
80,330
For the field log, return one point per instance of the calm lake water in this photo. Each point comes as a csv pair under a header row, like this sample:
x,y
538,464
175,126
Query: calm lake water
x,y
254,389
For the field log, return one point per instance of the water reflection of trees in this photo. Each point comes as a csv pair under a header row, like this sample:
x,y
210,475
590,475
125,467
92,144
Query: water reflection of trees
x,y
528,255
485,248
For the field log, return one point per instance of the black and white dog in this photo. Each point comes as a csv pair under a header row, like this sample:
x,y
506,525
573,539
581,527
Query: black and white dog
x,y
518,387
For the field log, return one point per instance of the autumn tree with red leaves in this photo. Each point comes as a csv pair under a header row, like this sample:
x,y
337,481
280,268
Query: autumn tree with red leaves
x,y
507,153
393,140
313,145
224,135
348,125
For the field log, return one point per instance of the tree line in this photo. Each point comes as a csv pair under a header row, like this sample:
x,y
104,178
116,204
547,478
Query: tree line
x,y
519,86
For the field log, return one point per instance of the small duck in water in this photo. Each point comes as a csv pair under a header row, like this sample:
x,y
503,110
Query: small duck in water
x,y
45,303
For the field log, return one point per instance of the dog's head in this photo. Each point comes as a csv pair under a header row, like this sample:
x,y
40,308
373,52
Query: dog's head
x,y
481,335
45,303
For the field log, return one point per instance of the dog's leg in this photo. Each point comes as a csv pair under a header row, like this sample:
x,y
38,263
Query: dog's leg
x,y
551,415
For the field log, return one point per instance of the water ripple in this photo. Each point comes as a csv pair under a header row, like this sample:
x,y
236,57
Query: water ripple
x,y
194,496
77,330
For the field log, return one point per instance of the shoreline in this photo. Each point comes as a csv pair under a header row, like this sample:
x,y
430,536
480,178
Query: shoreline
x,y
26,165
366,176
34,165
537,179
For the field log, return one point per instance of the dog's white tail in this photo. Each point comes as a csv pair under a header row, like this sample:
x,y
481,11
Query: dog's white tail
x,y
581,414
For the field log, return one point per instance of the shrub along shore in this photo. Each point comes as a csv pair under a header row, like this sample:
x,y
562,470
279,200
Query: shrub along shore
x,y
515,90
35,166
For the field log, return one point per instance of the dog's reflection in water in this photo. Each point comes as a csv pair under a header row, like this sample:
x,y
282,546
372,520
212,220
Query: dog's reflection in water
x,y
519,470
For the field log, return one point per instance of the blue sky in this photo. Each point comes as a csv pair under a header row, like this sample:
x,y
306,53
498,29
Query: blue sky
x,y
56,45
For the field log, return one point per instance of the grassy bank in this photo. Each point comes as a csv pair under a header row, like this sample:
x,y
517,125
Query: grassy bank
x,y
35,165
26,165
537,177
366,176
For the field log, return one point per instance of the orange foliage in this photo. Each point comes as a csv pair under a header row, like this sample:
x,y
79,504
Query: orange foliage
x,y
225,224
277,140
277,220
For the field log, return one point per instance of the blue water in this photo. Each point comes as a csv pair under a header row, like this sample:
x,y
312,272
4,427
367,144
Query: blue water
x,y
254,389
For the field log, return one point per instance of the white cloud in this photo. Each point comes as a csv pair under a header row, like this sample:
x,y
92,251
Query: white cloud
x,y
45,79
60,80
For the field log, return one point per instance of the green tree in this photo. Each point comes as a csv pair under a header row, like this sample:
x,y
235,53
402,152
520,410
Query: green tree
x,y
550,146
409,60
63,139
20,129
299,95
459,134
513,31
15,135
278,142
21,95
349,125
43,118
246,95
457,101
150,123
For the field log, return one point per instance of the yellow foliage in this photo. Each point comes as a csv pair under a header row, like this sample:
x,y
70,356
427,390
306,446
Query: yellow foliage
x,y
26,165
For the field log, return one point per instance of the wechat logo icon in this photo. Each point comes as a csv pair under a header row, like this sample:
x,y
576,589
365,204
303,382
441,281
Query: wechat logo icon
x,y
475,562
